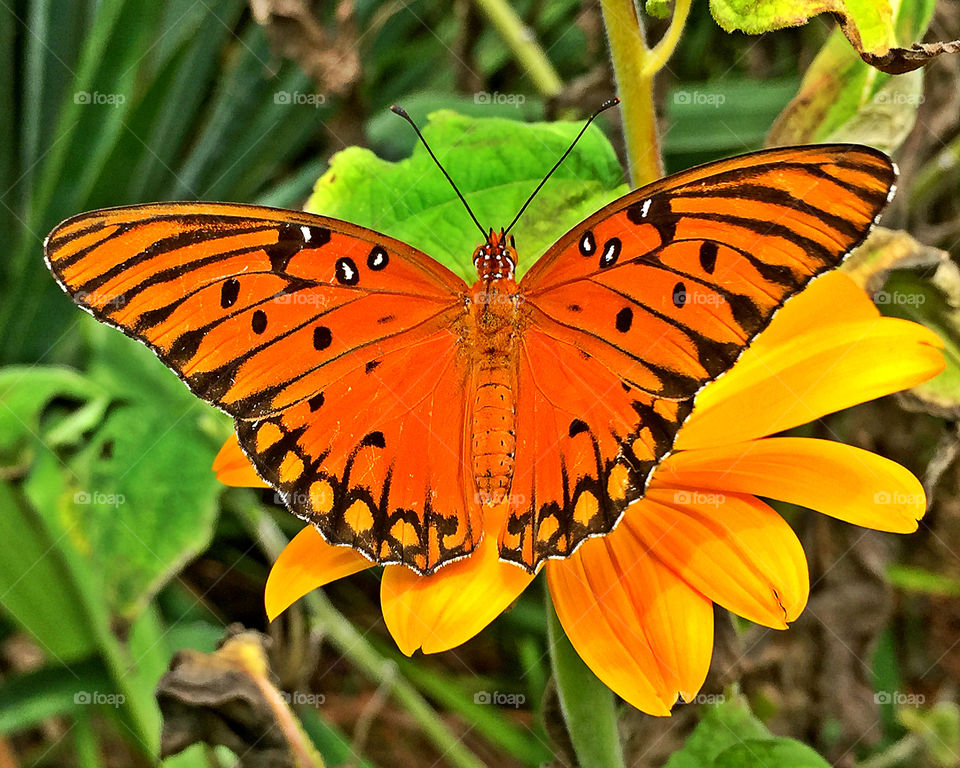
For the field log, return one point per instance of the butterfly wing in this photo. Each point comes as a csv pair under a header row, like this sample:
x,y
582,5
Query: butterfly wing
x,y
330,344
636,308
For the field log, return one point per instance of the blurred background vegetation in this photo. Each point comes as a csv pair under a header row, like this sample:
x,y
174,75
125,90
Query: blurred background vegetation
x,y
119,549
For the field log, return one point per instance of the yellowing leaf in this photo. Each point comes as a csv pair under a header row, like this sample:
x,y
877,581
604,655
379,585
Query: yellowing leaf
x,y
867,24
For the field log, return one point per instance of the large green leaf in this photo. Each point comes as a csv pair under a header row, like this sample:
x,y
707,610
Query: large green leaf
x,y
141,486
496,163
138,497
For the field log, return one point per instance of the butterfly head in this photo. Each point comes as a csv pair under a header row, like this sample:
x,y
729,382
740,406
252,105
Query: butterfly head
x,y
497,257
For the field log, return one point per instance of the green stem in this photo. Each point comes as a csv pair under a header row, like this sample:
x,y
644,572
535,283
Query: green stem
x,y
587,704
358,650
522,44
635,67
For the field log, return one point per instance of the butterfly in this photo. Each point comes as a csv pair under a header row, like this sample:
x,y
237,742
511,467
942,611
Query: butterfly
x,y
389,402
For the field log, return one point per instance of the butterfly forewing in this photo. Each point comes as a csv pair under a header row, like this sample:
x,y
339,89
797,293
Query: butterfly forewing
x,y
305,330
649,299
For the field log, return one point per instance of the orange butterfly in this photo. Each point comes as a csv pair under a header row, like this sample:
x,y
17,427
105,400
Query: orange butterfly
x,y
389,402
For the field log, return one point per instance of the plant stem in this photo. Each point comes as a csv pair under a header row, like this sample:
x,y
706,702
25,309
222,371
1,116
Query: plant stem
x,y
635,67
522,44
587,704
358,650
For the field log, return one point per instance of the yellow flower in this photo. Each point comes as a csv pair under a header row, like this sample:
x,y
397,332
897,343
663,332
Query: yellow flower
x,y
637,603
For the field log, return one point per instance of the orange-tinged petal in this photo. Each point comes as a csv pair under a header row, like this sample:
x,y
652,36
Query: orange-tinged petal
x,y
732,548
444,610
836,479
306,563
773,388
641,629
232,467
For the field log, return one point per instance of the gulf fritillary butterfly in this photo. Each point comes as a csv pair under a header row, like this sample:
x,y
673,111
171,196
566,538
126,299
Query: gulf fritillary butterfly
x,y
389,402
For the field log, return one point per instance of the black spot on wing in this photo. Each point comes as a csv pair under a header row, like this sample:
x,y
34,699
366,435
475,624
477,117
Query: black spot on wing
x,y
229,292
708,256
346,271
378,259
322,337
375,439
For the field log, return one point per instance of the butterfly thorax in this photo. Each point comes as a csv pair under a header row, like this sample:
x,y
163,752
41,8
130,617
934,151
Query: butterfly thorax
x,y
494,310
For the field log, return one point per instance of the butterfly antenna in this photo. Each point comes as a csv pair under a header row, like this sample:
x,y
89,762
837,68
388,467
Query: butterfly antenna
x,y
603,107
403,113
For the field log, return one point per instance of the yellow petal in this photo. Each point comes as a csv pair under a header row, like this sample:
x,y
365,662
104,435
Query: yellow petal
x,y
732,548
777,387
836,479
232,467
444,610
831,299
306,563
641,629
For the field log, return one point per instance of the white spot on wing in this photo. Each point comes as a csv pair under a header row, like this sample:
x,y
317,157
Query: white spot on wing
x,y
306,233
645,208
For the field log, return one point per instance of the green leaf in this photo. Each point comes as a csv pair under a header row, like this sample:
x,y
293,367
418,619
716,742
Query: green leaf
x,y
141,489
730,736
659,9
762,754
28,390
723,726
587,704
496,163
870,21
37,585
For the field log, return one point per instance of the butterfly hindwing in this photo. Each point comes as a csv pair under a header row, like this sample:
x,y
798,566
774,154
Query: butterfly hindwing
x,y
390,480
265,313
654,296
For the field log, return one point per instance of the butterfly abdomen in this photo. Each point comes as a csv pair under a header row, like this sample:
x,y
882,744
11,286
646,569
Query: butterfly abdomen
x,y
494,327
